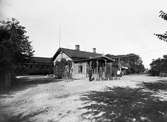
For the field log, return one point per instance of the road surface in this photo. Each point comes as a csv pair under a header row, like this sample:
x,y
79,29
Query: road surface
x,y
57,101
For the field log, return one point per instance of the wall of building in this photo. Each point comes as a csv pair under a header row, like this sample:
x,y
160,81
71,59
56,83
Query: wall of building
x,y
60,56
35,68
76,70
76,73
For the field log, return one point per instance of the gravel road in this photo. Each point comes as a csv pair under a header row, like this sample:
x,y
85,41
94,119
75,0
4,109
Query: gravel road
x,y
57,101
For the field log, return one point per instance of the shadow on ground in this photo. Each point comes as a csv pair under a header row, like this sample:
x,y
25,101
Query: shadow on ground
x,y
155,86
123,105
27,80
25,83
21,117
20,85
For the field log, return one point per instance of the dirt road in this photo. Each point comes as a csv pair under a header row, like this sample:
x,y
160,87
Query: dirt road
x,y
57,101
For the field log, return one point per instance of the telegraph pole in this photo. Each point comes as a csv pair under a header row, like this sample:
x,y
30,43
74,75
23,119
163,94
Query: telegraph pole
x,y
59,34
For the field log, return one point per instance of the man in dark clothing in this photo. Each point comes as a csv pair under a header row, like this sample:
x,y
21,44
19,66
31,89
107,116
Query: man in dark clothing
x,y
90,74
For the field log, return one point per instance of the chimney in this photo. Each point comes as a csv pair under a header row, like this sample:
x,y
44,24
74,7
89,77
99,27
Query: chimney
x,y
94,50
77,47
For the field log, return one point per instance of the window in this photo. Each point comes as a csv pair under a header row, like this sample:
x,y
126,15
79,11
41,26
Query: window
x,y
80,68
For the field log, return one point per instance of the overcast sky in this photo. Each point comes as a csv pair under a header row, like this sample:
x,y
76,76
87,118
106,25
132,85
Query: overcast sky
x,y
112,26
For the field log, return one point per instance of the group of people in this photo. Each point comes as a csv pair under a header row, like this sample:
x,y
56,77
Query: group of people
x,y
102,74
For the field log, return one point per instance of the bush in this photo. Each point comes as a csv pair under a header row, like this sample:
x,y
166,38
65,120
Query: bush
x,y
59,68
158,66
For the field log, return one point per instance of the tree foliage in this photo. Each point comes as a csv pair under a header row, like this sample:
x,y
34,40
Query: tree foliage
x,y
158,66
163,37
15,48
136,64
133,62
59,68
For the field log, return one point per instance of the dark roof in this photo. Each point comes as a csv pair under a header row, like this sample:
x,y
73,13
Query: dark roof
x,y
41,59
120,56
103,57
76,54
95,58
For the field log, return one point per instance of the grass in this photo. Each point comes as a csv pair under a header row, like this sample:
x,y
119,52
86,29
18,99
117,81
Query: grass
x,y
124,105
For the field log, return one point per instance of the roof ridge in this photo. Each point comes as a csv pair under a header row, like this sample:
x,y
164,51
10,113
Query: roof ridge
x,y
41,57
82,51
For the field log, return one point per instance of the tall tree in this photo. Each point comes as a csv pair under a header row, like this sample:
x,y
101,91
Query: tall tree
x,y
15,48
159,65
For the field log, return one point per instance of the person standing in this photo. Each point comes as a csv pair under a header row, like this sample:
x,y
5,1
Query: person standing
x,y
118,74
100,73
67,72
90,73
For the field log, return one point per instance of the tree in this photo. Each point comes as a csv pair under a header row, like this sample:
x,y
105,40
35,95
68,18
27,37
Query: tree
x,y
158,66
15,48
59,68
163,37
134,63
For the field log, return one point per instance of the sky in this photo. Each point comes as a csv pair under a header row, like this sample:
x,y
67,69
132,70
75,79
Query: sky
x,y
111,26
